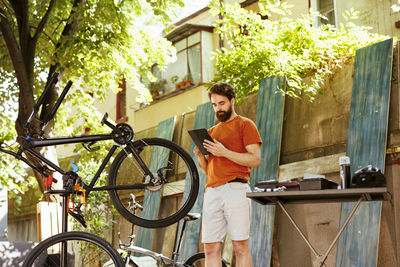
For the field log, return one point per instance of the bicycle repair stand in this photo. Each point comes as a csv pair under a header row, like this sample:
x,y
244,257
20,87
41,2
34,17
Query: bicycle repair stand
x,y
69,182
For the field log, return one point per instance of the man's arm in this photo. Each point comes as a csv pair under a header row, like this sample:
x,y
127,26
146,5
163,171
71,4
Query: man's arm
x,y
249,159
201,159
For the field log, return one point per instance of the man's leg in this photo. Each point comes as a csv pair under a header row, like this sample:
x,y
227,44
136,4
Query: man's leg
x,y
242,252
238,214
213,254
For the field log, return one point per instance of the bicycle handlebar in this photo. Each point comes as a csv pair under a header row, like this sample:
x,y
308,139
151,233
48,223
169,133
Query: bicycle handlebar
x,y
53,80
39,103
59,100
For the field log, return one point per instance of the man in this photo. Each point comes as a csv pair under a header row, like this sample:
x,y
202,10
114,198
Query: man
x,y
235,150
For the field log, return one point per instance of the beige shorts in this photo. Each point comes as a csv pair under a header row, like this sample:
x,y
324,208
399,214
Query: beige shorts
x,y
226,208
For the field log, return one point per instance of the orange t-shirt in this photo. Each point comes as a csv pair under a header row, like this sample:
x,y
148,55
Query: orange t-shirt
x,y
235,135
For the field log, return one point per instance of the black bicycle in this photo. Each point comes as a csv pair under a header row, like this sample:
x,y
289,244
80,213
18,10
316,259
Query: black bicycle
x,y
149,168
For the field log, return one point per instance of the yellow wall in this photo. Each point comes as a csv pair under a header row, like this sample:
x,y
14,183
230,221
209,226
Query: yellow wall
x,y
108,105
149,116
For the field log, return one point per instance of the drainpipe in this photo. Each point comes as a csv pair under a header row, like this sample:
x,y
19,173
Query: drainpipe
x,y
221,42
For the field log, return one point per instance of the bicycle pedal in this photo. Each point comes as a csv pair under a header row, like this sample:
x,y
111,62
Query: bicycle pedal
x,y
78,216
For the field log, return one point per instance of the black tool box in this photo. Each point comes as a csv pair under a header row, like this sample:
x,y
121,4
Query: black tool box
x,y
317,184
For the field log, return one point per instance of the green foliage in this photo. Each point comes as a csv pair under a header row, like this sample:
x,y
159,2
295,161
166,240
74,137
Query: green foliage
x,y
13,175
257,48
98,212
174,79
104,43
396,7
158,86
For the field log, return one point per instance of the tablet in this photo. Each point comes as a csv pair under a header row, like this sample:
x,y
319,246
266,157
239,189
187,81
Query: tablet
x,y
198,136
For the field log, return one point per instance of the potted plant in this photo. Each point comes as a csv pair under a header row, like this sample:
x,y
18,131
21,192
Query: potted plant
x,y
174,80
157,88
188,79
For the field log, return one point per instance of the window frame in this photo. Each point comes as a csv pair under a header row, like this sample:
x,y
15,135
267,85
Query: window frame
x,y
187,47
314,4
121,112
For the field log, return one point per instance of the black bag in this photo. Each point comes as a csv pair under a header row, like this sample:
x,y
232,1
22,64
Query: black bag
x,y
368,177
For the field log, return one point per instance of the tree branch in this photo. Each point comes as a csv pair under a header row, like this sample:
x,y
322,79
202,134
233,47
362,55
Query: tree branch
x,y
21,10
17,59
68,29
59,24
47,35
43,22
33,41
13,49
7,5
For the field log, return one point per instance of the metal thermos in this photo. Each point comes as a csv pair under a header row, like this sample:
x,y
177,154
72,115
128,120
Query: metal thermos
x,y
344,166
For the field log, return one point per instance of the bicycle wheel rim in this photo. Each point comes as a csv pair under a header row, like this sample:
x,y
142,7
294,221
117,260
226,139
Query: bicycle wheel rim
x,y
83,249
180,175
199,260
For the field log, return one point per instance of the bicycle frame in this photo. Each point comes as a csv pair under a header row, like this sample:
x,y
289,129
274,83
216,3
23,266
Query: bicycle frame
x,y
156,256
29,144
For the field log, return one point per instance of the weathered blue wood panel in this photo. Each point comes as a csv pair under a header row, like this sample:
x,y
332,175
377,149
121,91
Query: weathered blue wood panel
x,y
269,120
151,203
205,118
366,145
3,214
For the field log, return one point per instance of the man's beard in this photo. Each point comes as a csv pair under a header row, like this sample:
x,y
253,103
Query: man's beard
x,y
223,116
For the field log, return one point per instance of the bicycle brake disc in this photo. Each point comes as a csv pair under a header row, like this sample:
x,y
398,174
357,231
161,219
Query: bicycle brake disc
x,y
155,184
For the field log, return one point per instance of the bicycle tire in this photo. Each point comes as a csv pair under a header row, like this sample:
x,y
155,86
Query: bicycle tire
x,y
198,260
97,251
157,153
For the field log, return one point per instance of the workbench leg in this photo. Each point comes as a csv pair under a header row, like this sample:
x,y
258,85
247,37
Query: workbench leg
x,y
320,259
298,229
341,230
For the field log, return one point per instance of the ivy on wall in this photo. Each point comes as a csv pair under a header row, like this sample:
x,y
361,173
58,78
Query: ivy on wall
x,y
257,48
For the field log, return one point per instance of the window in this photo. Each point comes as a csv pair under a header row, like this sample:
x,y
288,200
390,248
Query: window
x,y
188,60
192,61
327,9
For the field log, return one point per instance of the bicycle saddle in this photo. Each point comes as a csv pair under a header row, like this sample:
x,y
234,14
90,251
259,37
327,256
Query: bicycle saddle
x,y
192,216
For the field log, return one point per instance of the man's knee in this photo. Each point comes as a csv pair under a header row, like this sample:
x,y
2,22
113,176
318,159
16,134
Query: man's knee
x,y
241,247
212,248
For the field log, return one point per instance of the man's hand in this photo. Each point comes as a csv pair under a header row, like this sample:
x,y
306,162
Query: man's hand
x,y
201,159
216,148
251,158
197,152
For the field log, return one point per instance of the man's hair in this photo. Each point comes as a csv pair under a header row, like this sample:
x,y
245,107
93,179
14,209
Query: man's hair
x,y
224,89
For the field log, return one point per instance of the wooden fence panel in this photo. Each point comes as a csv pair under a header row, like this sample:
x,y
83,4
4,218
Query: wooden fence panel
x,y
152,200
366,145
269,120
204,118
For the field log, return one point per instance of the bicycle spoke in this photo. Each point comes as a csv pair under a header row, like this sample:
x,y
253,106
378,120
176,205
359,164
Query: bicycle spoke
x,y
169,166
133,161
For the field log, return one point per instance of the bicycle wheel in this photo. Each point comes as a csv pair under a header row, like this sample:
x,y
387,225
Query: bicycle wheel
x,y
83,249
174,172
199,260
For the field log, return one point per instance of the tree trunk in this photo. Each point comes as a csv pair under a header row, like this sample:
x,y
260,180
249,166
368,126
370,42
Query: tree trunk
x,y
22,54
